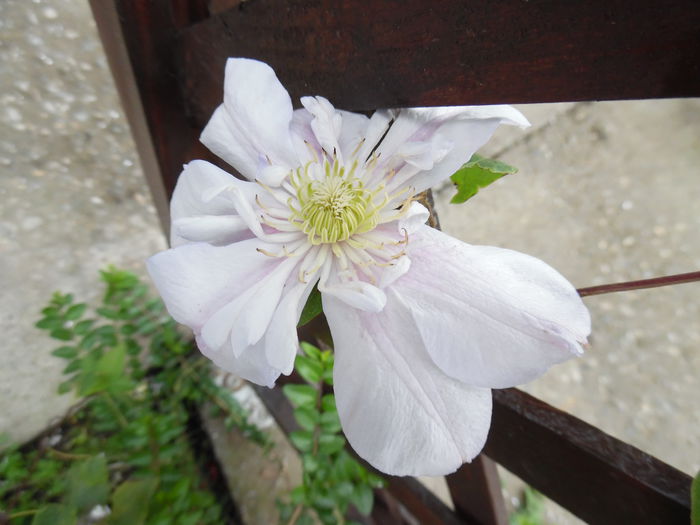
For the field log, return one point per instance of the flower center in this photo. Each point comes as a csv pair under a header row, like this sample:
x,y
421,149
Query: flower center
x,y
334,202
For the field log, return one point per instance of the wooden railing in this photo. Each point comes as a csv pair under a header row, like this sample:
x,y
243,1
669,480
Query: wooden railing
x,y
167,58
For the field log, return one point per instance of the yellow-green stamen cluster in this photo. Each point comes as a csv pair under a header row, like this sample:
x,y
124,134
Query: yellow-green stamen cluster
x,y
334,204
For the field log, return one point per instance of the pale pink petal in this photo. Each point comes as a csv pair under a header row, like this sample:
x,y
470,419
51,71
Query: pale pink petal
x,y
281,340
398,410
376,128
352,132
244,319
251,365
435,142
202,208
196,280
488,316
356,293
415,218
326,123
253,124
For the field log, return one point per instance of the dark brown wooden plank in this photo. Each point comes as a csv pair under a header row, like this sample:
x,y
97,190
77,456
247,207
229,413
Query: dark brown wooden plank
x,y
416,52
476,492
595,476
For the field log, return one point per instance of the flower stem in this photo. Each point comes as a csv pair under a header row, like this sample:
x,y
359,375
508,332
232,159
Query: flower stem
x,y
655,282
115,409
66,455
295,515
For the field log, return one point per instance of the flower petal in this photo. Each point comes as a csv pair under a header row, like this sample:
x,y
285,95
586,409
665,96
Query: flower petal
x,y
196,280
281,340
202,210
245,318
326,123
490,317
251,365
450,136
352,132
398,410
253,124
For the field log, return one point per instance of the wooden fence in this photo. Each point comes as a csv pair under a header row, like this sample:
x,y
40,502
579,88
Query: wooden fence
x,y
167,58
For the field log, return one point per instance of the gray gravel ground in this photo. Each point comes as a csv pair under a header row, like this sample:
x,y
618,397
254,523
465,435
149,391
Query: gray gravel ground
x,y
605,192
72,195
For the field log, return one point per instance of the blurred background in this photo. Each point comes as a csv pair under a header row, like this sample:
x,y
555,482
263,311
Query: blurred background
x,y
605,192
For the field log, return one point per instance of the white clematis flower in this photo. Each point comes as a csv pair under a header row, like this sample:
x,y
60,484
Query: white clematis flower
x,y
423,325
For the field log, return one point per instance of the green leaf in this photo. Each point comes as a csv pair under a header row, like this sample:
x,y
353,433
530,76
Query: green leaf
x,y
55,514
695,501
300,395
88,483
62,334
67,352
311,351
330,443
328,403
107,374
477,173
330,423
49,323
363,499
76,311
307,417
309,369
302,440
131,500
312,308
82,327
309,462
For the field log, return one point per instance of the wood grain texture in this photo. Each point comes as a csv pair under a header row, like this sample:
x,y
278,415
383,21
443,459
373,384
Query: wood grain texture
x,y
476,492
395,53
595,476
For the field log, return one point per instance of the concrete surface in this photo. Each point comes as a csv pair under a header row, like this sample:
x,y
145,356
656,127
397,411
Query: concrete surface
x,y
72,195
605,192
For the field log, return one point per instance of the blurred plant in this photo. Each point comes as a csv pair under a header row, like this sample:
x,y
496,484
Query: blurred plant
x,y
124,456
332,478
531,510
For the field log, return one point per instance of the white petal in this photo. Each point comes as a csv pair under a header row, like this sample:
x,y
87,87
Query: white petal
x,y
467,128
398,410
326,123
214,229
251,365
352,132
196,280
201,208
377,126
247,315
416,217
253,124
225,138
489,317
281,341
355,293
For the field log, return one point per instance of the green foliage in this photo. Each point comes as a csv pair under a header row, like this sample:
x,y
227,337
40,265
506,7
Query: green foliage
x,y
87,483
332,480
477,173
312,308
127,446
695,501
55,514
531,511
130,501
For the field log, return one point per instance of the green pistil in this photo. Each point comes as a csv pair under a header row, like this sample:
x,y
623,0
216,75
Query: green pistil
x,y
334,207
